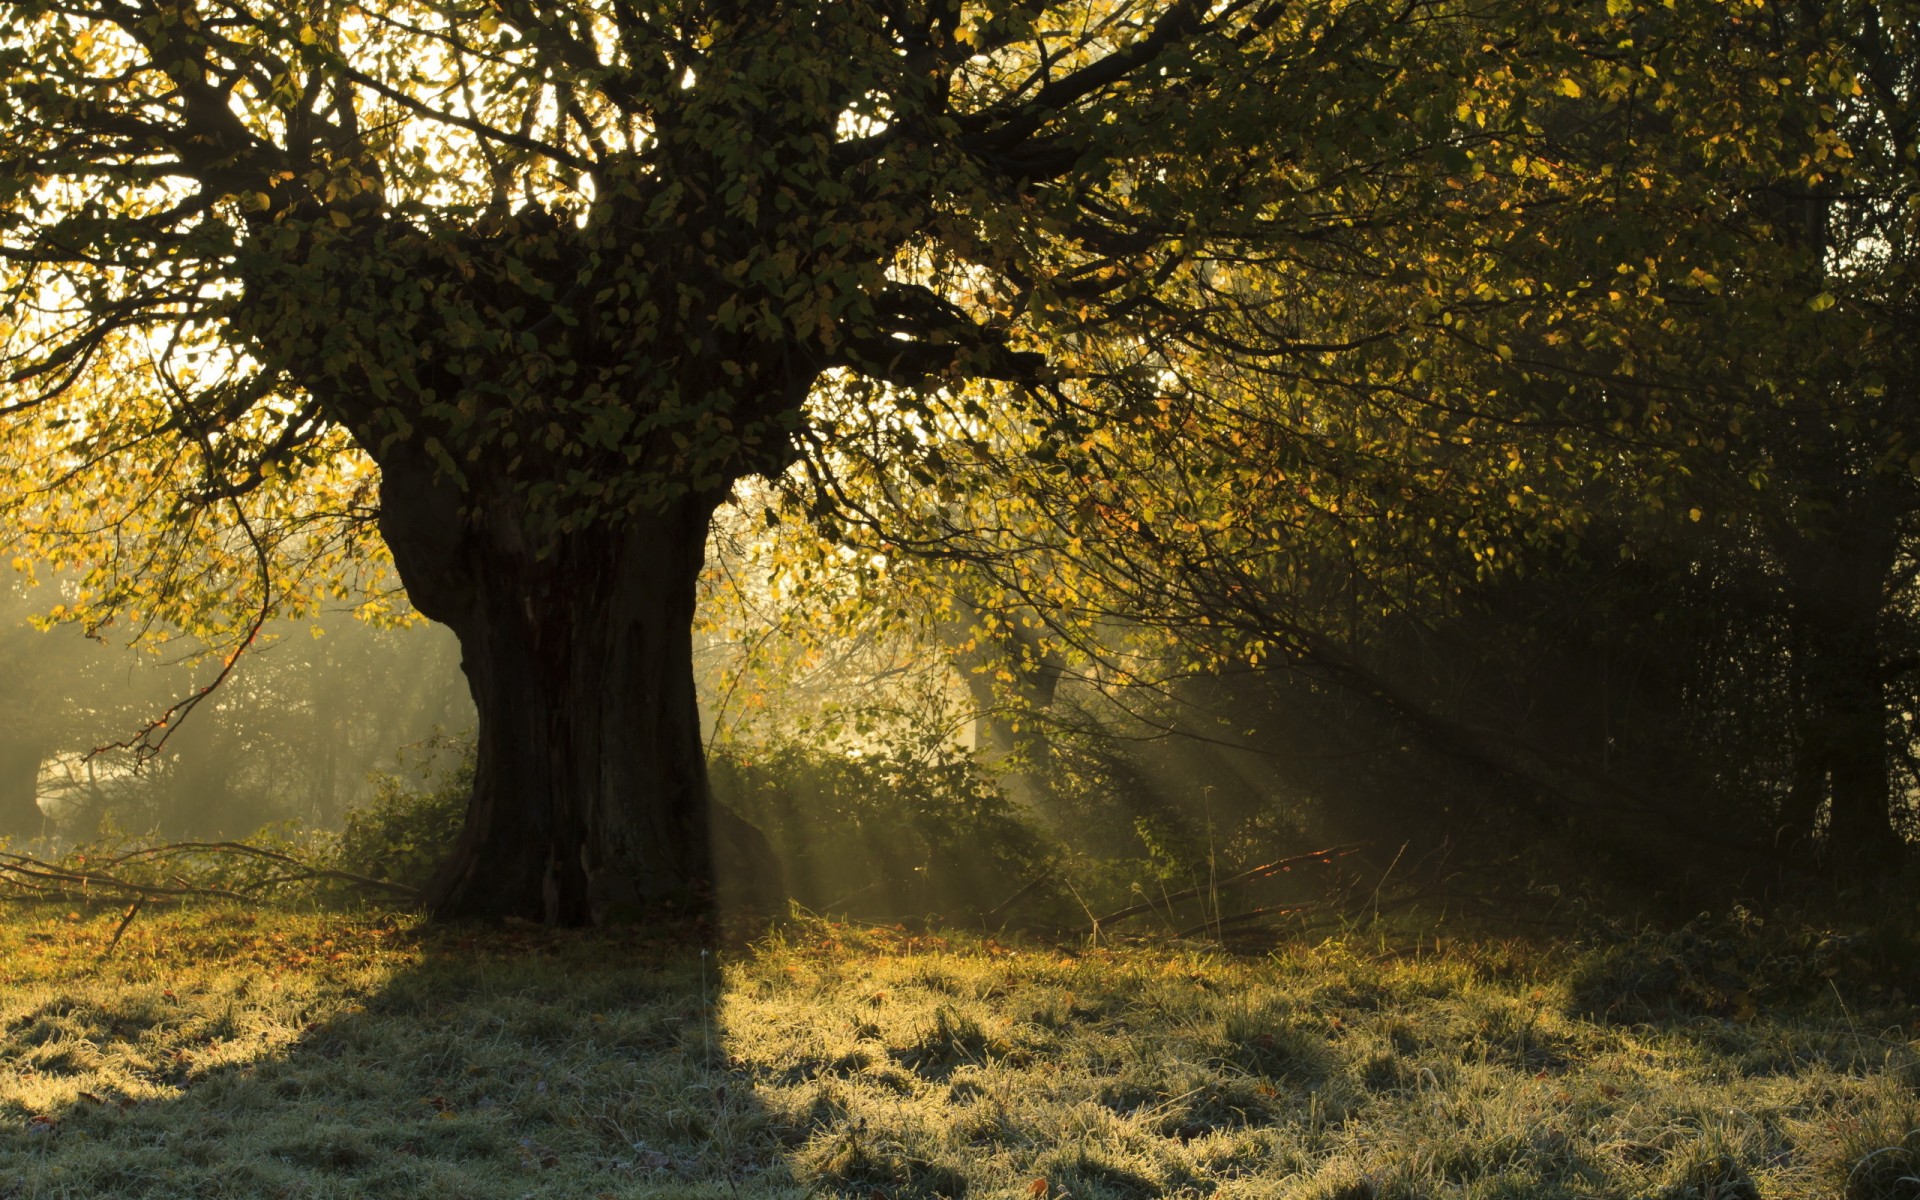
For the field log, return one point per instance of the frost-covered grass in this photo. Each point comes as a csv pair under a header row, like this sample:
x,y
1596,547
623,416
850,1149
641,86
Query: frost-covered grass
x,y
223,1052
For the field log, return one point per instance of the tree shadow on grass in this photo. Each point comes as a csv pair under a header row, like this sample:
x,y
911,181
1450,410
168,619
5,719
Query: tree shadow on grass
x,y
228,1053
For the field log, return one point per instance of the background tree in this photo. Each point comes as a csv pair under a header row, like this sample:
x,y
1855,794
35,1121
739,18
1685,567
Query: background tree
x,y
294,733
1559,450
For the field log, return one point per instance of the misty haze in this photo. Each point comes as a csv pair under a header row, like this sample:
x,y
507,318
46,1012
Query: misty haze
x,y
911,599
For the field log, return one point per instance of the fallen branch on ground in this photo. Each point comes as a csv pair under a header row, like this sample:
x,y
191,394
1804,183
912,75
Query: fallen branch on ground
x,y
1214,925
1317,857
41,878
1026,890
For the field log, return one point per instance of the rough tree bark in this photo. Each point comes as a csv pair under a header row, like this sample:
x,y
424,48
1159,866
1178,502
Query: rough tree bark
x,y
590,796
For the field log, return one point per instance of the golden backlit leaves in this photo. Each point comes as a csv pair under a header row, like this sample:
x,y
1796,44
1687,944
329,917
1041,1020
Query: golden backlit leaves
x,y
1435,368
1357,336
107,505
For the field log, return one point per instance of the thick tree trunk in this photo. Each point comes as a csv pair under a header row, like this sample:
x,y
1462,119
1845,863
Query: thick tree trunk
x,y
1859,820
590,795
1838,593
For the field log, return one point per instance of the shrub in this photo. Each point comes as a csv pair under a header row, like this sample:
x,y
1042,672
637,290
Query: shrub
x,y
913,829
406,830
910,829
1735,965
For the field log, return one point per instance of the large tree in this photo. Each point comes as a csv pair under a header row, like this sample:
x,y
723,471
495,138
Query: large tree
x,y
567,271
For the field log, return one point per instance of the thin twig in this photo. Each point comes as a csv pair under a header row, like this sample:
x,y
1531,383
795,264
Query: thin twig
x,y
1213,925
1014,899
35,875
1260,872
133,910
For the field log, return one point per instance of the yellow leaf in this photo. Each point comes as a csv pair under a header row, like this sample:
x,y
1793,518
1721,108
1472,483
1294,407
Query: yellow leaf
x,y
1822,302
1570,87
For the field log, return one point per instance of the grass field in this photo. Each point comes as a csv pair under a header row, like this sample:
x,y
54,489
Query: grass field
x,y
227,1052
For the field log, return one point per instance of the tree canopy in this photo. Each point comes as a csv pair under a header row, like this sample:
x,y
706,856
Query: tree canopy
x,y
1320,327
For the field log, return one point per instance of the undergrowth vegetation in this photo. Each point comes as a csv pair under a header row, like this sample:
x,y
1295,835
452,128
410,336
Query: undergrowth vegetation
x,y
217,1050
919,827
